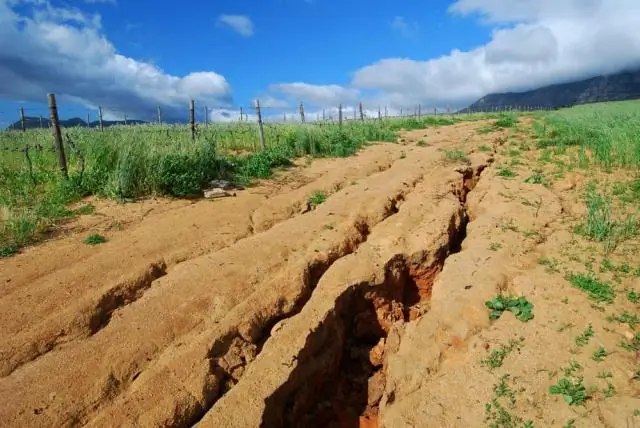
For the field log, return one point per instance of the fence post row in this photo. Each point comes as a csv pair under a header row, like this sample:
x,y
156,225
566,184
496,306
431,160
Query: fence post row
x,y
57,135
192,119
260,128
159,115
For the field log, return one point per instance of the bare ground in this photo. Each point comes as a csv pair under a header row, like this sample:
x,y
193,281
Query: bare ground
x,y
367,310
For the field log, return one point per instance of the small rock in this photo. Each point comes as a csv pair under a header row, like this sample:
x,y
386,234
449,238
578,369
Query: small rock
x,y
375,388
216,193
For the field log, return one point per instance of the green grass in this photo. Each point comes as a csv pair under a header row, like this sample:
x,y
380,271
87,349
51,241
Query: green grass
x,y
498,355
600,224
455,155
606,133
129,162
597,291
506,172
317,198
95,239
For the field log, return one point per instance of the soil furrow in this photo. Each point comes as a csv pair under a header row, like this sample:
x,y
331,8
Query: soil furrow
x,y
84,316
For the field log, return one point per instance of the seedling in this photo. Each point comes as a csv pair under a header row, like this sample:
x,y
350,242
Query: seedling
x,y
600,354
583,339
573,392
317,198
498,355
598,291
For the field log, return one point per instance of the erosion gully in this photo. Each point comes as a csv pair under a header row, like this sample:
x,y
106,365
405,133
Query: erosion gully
x,y
353,341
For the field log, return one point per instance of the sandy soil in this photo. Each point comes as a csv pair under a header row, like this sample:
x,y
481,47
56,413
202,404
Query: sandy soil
x,y
368,310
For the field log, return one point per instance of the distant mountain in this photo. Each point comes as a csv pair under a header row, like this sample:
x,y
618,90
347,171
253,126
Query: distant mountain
x,y
614,87
35,122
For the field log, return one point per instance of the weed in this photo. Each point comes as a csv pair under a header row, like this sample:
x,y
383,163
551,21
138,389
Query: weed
x,y
421,143
600,354
583,339
95,239
570,424
495,246
506,121
633,296
536,178
625,317
455,155
506,172
598,291
521,308
551,264
633,345
484,148
498,355
573,391
85,210
317,198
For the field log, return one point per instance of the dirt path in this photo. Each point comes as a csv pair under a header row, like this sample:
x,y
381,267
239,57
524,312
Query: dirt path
x,y
366,310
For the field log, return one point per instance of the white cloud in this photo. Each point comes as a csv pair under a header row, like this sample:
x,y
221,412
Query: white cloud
x,y
241,24
321,95
62,50
406,29
534,43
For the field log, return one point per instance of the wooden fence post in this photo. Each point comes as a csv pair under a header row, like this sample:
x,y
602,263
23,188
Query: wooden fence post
x,y
323,116
435,110
57,135
206,115
340,115
159,112
241,114
354,112
125,118
22,123
361,113
419,110
192,119
100,118
379,113
41,122
260,128
386,112
301,112
88,120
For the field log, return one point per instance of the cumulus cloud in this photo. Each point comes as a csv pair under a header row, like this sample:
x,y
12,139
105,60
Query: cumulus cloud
x,y
64,51
241,24
533,43
319,95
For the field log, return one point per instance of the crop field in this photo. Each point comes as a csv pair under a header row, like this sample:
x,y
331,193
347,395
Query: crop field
x,y
459,271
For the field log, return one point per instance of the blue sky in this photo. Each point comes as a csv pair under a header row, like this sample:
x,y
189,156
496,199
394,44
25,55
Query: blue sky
x,y
129,56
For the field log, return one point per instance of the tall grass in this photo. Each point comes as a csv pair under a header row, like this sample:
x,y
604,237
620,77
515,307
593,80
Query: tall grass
x,y
607,133
124,163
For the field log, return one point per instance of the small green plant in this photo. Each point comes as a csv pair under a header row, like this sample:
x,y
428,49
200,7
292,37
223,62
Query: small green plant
x,y
583,339
455,155
521,308
95,239
633,296
484,148
317,198
551,264
536,178
506,172
497,356
633,345
421,143
495,246
570,424
496,414
573,391
506,121
625,317
597,291
600,354
85,210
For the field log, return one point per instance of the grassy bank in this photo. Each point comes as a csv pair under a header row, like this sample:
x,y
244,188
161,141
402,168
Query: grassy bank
x,y
124,163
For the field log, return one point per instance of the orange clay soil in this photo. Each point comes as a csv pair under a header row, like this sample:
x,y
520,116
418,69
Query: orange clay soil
x,y
366,311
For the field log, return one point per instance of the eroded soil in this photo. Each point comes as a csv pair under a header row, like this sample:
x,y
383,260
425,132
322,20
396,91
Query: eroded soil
x,y
367,310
